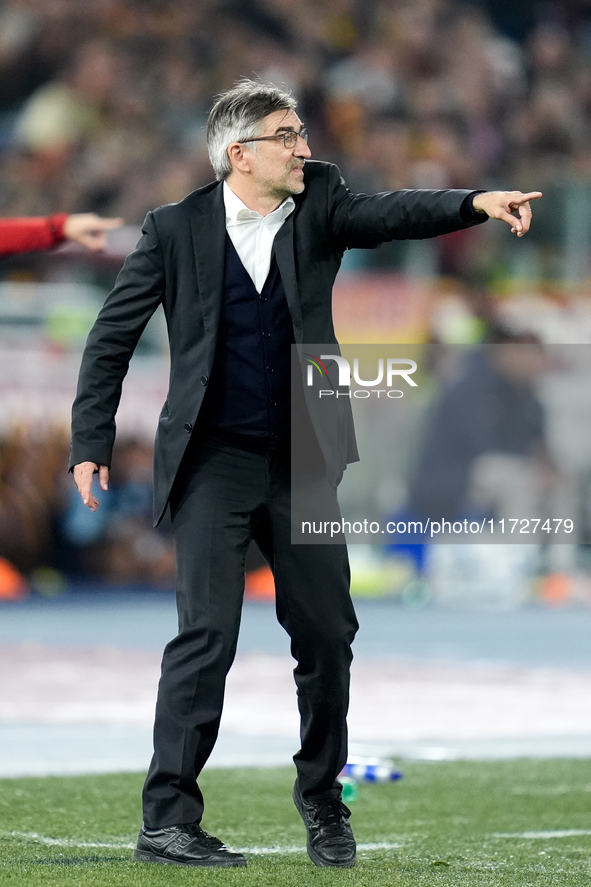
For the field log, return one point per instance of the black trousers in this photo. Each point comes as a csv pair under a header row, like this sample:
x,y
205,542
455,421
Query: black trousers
x,y
225,496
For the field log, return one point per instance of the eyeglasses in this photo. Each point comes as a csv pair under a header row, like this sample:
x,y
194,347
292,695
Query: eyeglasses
x,y
290,138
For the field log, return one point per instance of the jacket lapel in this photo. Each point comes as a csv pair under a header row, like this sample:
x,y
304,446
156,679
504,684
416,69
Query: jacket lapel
x,y
208,227
284,254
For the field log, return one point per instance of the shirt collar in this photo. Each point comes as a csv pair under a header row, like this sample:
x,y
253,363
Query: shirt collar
x,y
237,212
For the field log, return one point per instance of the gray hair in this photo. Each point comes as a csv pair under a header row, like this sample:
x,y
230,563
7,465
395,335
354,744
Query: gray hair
x,y
237,115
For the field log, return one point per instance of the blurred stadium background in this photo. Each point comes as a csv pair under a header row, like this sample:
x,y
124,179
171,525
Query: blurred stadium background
x,y
102,108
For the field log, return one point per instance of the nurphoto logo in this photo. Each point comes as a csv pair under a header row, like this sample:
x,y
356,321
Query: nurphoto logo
x,y
396,368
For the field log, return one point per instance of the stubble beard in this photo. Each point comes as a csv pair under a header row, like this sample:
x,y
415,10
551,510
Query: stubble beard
x,y
286,188
298,186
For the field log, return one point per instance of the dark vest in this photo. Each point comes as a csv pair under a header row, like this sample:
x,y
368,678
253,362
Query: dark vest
x,y
248,395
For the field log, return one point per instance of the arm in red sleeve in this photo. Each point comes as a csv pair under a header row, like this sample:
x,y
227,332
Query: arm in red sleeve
x,y
27,235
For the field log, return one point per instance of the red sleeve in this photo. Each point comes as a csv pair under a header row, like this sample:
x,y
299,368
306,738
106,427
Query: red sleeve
x,y
26,235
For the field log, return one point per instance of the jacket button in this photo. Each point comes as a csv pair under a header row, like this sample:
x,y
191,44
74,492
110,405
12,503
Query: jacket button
x,y
188,426
204,380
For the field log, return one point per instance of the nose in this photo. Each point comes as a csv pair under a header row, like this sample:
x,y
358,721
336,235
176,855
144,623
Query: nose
x,y
301,148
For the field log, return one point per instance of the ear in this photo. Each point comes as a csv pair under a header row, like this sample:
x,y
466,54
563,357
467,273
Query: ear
x,y
238,154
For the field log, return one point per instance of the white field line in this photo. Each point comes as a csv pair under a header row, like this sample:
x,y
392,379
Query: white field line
x,y
123,844
269,851
35,838
541,835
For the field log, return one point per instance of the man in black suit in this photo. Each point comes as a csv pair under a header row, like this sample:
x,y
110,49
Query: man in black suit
x,y
244,267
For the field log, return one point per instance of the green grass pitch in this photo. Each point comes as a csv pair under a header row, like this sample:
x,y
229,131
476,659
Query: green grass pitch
x,y
513,823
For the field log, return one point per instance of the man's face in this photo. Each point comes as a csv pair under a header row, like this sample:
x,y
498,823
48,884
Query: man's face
x,y
278,171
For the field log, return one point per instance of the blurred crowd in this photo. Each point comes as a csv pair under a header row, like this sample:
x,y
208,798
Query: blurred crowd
x,y
52,539
103,104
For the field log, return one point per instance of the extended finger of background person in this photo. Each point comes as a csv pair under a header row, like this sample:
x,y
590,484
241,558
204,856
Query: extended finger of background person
x,y
89,229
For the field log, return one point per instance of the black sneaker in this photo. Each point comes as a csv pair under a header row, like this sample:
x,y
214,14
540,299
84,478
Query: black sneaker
x,y
330,839
184,845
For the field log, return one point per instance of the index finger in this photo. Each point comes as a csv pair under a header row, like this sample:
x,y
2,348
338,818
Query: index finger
x,y
518,198
110,223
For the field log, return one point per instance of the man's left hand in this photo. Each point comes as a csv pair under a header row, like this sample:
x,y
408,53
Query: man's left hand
x,y
503,204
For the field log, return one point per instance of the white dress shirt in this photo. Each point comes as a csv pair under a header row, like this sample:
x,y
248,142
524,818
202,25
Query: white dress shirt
x,y
253,234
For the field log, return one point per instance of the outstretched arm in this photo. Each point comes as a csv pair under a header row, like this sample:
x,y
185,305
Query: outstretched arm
x,y
365,221
23,235
504,204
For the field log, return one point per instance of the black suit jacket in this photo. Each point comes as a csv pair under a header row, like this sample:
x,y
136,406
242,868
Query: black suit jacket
x,y
179,263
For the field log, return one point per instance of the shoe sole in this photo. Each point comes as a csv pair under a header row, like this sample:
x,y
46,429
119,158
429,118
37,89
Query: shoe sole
x,y
316,859
321,863
146,856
